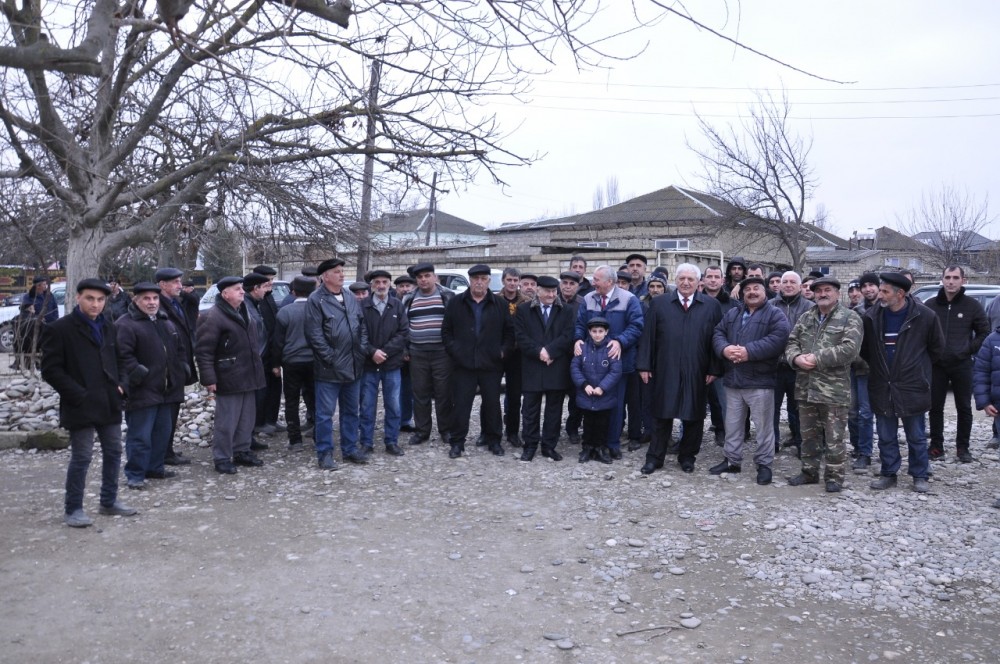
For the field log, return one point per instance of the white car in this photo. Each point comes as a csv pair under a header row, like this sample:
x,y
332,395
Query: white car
x,y
458,280
8,314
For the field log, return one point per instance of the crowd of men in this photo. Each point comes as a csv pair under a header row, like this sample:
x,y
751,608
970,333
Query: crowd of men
x,y
618,352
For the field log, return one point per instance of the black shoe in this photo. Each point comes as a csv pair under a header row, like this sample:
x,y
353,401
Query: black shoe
x,y
801,479
408,428
246,459
935,454
496,449
514,440
552,454
725,467
646,439
585,456
481,441
257,446
832,486
326,462
720,438
964,456
634,444
368,450
359,458
136,485
763,475
527,454
687,465
616,454
417,439
575,439
603,455
648,468
160,474
225,467
861,464
455,451
295,443
176,459
117,509
393,450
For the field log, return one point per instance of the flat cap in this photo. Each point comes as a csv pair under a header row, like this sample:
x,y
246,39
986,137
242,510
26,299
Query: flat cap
x,y
93,284
478,269
548,282
632,257
359,286
376,274
825,281
897,280
598,321
227,282
39,278
869,278
816,274
167,273
253,280
660,269
304,285
774,273
420,268
266,270
145,287
529,276
757,280
309,271
329,264
572,276
404,279
622,275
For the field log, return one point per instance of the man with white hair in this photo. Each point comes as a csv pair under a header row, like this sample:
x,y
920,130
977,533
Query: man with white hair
x,y
676,346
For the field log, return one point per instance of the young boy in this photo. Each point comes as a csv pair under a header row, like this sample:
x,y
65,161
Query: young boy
x,y
596,376
986,380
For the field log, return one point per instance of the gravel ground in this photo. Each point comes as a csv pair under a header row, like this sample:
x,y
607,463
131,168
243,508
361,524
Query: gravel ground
x,y
486,559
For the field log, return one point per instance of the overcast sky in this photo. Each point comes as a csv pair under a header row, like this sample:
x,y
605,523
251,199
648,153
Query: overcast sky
x,y
924,109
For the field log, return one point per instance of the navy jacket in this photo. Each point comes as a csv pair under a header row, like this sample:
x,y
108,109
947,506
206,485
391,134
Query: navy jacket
x,y
151,363
764,335
290,345
624,315
986,372
595,368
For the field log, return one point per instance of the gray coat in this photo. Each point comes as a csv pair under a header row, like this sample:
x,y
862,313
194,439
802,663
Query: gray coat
x,y
336,332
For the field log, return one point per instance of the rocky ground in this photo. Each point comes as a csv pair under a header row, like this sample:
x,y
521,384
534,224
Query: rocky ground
x,y
486,559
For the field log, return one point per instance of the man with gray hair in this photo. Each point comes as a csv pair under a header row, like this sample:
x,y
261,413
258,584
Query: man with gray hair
x,y
676,347
790,302
623,312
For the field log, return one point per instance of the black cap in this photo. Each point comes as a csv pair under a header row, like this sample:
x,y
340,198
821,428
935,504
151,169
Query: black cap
x,y
226,282
478,269
868,278
39,278
375,274
753,280
309,271
529,275
304,285
266,270
93,284
572,276
329,264
598,321
896,279
167,273
854,284
188,283
660,269
816,274
773,274
359,286
825,281
626,276
548,282
631,257
145,287
420,268
253,280
404,279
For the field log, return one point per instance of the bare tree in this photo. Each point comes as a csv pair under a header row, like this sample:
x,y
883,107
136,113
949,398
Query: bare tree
x,y
950,221
611,192
761,167
598,198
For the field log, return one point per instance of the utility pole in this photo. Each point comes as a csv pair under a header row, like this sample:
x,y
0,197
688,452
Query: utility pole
x,y
365,227
432,213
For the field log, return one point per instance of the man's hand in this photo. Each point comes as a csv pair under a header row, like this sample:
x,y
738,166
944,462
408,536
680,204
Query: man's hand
x,y
645,376
544,356
598,391
276,371
991,410
379,356
578,350
614,350
589,390
210,388
709,379
806,361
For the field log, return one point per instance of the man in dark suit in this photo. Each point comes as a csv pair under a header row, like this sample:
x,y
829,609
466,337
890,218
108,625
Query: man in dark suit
x,y
544,331
79,359
182,310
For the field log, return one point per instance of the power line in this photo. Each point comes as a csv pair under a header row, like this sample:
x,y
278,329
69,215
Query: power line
x,y
845,88
796,103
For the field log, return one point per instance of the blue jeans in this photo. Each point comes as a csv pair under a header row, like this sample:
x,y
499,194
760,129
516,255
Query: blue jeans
x,y
916,442
861,418
81,442
147,439
617,416
390,381
328,396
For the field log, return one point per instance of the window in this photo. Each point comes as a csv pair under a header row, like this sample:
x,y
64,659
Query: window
x,y
916,265
892,262
672,245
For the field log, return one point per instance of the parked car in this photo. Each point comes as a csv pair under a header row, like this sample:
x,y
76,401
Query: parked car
x,y
983,293
281,289
9,313
14,300
458,280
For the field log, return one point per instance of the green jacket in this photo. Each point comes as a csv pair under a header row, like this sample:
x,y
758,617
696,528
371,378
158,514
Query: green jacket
x,y
836,343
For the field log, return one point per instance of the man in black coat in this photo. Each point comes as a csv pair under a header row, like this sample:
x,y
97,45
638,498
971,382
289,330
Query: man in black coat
x,y
267,415
902,340
182,310
478,334
228,356
544,331
388,330
965,326
79,360
293,358
676,346
152,371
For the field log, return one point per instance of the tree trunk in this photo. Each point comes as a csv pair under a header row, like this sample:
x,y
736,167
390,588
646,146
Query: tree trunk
x,y
83,257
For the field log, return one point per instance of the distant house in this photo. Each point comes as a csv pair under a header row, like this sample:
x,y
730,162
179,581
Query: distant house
x,y
416,228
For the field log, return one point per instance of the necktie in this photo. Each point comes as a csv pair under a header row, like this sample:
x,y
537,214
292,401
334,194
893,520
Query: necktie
x,y
685,303
545,314
604,302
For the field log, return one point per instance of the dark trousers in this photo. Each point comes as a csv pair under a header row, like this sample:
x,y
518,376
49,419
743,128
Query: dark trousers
x,y
614,432
405,395
633,404
595,428
785,388
175,412
430,374
689,446
646,394
272,398
533,430
959,377
298,386
575,417
512,394
464,383
81,443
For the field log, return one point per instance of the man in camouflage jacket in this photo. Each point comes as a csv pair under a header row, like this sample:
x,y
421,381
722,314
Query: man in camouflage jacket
x,y
823,344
